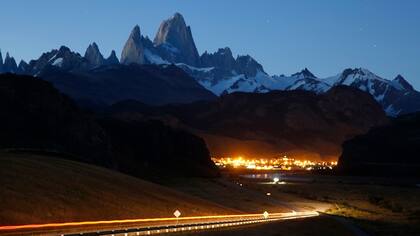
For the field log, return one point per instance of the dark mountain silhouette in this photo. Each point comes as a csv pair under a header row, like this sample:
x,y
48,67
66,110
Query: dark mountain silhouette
x,y
151,149
151,84
296,123
36,117
9,64
390,150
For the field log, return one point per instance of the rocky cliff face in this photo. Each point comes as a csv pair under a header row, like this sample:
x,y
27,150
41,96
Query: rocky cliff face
x,y
133,51
67,60
248,66
9,64
62,58
403,83
94,56
22,67
112,59
175,41
223,58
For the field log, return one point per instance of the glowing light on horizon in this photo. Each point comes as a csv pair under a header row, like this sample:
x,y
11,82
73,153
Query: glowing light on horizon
x,y
283,163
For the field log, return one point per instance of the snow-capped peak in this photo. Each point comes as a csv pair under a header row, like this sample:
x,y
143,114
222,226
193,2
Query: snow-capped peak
x,y
350,76
305,73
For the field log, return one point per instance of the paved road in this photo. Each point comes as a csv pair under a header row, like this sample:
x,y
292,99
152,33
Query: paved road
x,y
149,226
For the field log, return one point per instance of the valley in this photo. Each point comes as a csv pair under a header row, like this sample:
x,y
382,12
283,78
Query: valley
x,y
264,118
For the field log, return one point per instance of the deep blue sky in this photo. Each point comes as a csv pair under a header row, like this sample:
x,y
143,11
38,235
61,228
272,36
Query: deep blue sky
x,y
284,36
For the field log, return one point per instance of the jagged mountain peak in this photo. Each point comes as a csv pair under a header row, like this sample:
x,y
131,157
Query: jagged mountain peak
x,y
248,66
246,59
23,66
357,71
133,51
66,53
399,77
350,75
64,49
93,46
221,51
64,58
175,40
112,59
225,50
178,17
22,62
221,59
93,55
305,73
9,64
403,83
135,32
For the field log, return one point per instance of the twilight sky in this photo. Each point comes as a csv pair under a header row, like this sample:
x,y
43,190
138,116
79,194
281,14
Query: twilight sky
x,y
283,35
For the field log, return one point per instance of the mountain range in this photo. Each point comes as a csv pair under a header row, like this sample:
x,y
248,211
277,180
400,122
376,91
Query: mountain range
x,y
294,123
36,118
219,72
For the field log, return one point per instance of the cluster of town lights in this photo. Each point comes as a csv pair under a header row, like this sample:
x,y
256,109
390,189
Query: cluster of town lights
x,y
284,163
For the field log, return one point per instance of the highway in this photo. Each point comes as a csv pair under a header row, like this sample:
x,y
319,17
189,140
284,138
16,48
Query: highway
x,y
150,226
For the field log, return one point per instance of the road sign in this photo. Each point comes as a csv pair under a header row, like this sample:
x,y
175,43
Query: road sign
x,y
177,213
265,214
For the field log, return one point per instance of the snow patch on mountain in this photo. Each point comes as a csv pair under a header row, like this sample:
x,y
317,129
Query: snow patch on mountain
x,y
153,58
220,87
204,69
58,62
170,47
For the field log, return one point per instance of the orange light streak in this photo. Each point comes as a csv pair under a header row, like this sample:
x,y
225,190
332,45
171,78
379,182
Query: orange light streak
x,y
85,223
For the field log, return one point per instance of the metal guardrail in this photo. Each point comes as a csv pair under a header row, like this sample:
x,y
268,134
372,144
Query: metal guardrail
x,y
151,226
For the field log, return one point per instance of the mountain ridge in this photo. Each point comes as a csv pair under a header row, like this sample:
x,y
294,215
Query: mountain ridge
x,y
295,123
220,72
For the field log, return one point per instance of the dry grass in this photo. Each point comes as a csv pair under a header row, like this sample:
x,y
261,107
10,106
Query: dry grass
x,y
37,189
231,194
248,197
319,226
380,210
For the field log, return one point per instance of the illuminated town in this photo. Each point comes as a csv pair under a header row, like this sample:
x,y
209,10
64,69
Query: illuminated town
x,y
284,163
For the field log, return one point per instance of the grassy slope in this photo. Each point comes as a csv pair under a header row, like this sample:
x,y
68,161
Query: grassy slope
x,y
319,226
377,209
39,189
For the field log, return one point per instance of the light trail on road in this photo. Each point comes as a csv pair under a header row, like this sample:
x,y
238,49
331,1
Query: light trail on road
x,y
169,224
